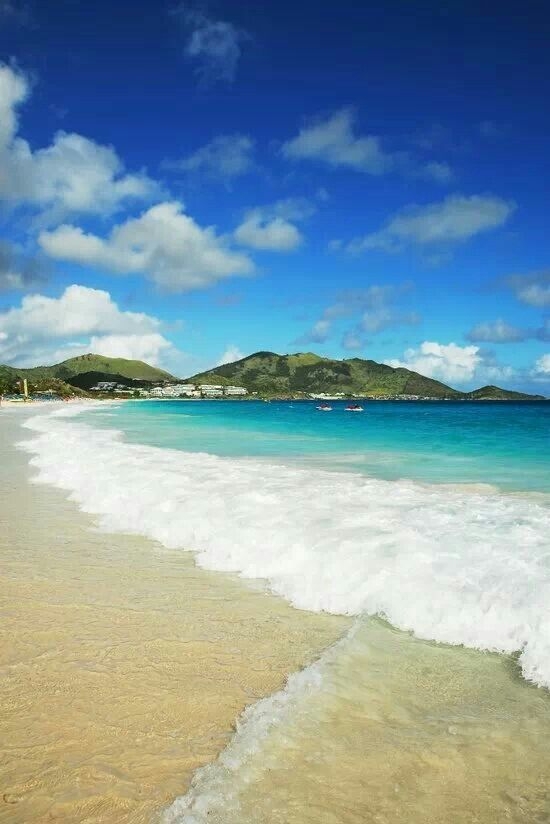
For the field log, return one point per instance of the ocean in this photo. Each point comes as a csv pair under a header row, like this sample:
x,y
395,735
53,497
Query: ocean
x,y
427,523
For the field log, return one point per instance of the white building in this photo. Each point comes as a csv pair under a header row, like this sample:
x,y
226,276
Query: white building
x,y
236,390
103,386
175,390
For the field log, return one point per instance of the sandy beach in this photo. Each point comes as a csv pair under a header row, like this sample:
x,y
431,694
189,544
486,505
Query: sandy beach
x,y
123,666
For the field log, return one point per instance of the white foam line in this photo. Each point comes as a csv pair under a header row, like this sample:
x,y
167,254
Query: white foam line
x,y
214,787
452,566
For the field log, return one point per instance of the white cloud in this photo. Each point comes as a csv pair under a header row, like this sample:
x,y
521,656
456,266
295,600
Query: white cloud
x,y
14,90
270,227
542,365
71,175
333,140
226,157
148,348
497,332
164,244
232,353
42,329
275,234
215,45
446,362
453,220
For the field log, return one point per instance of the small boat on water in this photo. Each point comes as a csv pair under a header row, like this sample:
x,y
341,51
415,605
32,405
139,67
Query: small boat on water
x,y
354,407
324,407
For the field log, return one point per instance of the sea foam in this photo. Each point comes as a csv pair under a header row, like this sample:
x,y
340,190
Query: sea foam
x,y
455,566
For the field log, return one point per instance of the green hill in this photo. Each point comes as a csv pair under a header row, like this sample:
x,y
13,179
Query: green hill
x,y
270,374
134,369
495,393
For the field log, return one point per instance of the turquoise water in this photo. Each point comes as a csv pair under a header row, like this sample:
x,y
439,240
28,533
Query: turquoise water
x,y
506,445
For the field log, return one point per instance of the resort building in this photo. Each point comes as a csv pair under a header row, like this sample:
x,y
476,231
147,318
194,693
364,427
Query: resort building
x,y
104,386
211,391
175,390
236,390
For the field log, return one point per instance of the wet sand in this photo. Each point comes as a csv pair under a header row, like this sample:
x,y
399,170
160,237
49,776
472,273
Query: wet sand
x,y
122,666
402,731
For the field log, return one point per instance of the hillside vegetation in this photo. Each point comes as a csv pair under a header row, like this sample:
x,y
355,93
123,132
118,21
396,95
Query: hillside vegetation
x,y
495,393
120,367
265,373
270,374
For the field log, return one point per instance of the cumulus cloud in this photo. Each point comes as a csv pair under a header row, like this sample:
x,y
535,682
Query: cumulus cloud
x,y
71,175
497,332
532,288
214,45
149,348
453,220
333,140
231,354
225,158
271,227
42,329
164,244
453,364
446,362
274,234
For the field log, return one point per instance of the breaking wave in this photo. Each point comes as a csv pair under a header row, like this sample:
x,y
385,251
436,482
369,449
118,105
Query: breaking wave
x,y
452,565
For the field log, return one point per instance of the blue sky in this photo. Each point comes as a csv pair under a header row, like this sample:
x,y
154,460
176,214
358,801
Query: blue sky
x,y
190,183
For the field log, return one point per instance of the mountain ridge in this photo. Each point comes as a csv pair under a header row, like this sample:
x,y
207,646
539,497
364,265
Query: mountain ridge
x,y
269,373
131,369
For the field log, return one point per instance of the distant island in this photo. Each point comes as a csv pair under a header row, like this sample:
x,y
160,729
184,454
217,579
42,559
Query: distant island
x,y
261,375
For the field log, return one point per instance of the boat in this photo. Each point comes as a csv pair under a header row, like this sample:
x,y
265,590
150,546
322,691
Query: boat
x,y
324,407
354,407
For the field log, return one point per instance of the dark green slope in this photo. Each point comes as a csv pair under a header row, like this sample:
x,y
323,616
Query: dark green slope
x,y
495,393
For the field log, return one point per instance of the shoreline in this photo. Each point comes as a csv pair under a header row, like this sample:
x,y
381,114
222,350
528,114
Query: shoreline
x,y
140,665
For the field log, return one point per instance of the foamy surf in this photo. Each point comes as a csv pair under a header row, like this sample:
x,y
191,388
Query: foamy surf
x,y
214,788
453,566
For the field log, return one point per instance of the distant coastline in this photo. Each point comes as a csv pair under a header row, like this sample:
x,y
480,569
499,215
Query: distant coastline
x,y
260,376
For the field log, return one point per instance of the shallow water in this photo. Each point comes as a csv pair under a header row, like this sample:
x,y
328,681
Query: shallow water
x,y
386,729
502,444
